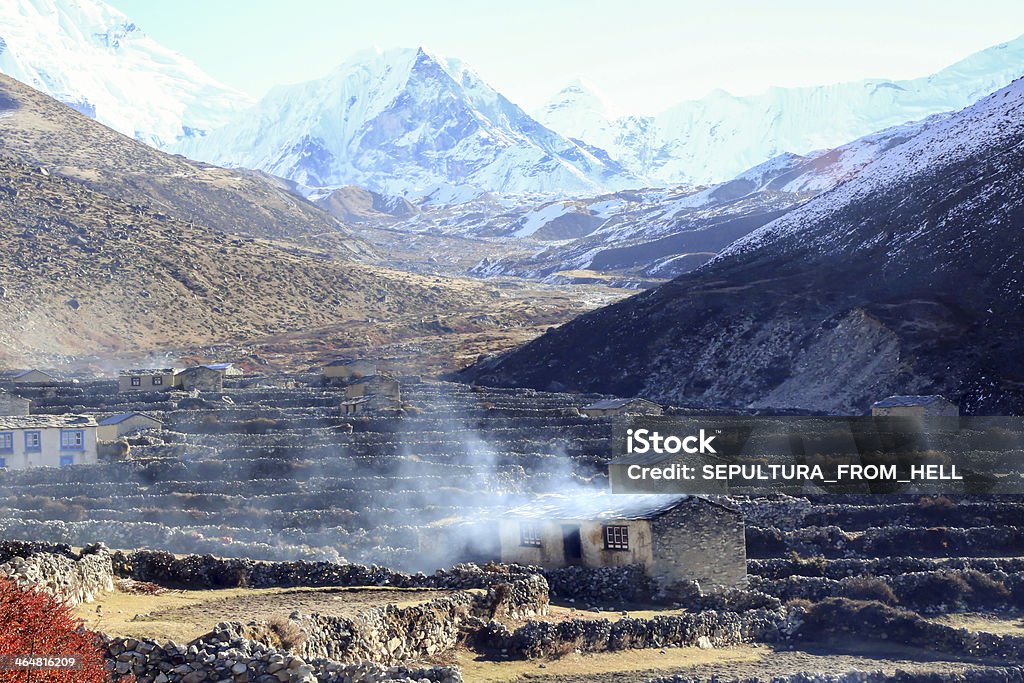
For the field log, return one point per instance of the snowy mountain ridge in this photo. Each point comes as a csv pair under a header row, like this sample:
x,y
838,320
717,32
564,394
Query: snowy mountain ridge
x,y
716,137
93,58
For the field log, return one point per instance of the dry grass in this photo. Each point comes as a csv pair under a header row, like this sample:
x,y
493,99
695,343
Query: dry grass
x,y
998,624
182,616
482,671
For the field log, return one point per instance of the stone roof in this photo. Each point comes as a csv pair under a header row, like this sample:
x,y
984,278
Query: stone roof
x,y
29,372
908,401
118,419
343,361
150,371
46,421
599,506
614,403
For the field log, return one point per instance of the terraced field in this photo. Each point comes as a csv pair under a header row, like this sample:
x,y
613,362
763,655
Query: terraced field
x,y
303,486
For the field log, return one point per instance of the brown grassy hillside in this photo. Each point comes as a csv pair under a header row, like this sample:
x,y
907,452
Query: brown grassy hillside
x,y
38,130
83,272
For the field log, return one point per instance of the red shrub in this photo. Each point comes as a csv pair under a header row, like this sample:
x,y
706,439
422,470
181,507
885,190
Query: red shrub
x,y
33,623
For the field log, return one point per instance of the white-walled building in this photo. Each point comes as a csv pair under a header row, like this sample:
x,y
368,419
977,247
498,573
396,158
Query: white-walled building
x,y
47,441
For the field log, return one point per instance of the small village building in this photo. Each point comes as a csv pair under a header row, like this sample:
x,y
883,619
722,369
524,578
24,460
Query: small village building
x,y
12,404
163,379
915,406
116,426
674,537
346,370
381,386
33,377
47,441
201,378
611,407
368,405
226,369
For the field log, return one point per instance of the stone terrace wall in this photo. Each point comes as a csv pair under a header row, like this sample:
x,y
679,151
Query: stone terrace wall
x,y
704,629
394,634
223,655
72,580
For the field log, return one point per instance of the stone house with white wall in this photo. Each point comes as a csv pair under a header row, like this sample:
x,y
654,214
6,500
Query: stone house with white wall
x,y
47,441
673,537
116,426
915,406
611,407
159,379
33,377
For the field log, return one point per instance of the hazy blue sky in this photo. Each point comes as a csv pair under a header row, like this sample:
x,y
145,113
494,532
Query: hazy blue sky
x,y
643,55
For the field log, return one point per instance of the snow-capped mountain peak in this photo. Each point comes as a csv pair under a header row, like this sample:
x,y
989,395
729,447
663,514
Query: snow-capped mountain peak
x,y
92,57
406,122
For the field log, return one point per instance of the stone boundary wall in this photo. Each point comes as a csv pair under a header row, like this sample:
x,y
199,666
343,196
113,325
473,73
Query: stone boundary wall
x,y
222,655
392,634
926,592
782,568
789,513
702,629
867,620
890,541
74,581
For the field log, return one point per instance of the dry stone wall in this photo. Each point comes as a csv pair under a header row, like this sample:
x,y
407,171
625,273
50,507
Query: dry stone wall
x,y
72,580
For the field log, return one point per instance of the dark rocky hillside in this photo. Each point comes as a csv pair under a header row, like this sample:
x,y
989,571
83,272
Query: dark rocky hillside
x,y
905,279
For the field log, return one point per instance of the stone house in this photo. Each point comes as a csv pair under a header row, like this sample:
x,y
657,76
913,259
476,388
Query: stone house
x,y
381,386
162,379
11,404
47,441
346,370
674,537
226,369
201,378
116,426
611,407
915,406
33,377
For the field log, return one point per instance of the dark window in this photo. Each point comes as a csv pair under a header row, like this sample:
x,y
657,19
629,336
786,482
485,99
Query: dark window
x,y
136,381
616,538
529,534
158,380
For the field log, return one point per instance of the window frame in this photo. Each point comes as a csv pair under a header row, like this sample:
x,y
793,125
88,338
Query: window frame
x,y
37,447
157,380
65,446
616,537
8,437
530,535
136,381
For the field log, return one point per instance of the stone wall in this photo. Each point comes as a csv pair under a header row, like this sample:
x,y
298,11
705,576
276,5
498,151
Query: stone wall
x,y
392,634
700,541
704,629
73,580
223,655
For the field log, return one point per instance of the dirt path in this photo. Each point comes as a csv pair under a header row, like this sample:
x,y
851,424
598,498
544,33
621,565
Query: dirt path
x,y
831,659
